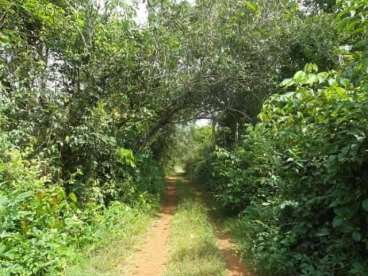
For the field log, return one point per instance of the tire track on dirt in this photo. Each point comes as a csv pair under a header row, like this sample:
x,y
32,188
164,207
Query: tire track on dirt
x,y
234,264
233,261
152,257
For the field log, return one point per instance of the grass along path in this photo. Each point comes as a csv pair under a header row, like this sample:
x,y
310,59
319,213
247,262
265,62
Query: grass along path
x,y
228,249
116,248
193,245
181,241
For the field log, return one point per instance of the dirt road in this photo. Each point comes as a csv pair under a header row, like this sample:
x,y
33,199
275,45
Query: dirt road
x,y
153,255
151,259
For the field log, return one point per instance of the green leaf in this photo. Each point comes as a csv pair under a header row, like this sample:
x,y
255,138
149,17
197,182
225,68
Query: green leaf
x,y
251,6
126,157
312,79
73,197
322,77
338,221
3,201
23,196
311,68
357,236
287,83
365,205
4,4
300,77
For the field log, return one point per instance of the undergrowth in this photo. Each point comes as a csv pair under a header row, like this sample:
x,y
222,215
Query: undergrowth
x,y
119,232
43,228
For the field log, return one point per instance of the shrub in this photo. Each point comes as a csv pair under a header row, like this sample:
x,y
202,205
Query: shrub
x,y
301,177
41,226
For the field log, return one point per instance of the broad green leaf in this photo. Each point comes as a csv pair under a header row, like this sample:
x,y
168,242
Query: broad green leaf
x,y
287,83
311,68
300,77
73,197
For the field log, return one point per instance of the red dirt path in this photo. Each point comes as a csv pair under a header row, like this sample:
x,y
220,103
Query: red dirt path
x,y
234,265
151,259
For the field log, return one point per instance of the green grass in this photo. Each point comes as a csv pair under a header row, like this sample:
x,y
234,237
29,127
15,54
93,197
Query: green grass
x,y
192,244
109,256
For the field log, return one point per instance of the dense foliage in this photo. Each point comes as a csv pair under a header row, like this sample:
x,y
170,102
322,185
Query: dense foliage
x,y
70,73
43,226
298,176
91,100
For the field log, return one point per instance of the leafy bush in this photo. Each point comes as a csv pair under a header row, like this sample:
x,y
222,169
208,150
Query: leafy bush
x,y
222,175
301,173
41,225
32,217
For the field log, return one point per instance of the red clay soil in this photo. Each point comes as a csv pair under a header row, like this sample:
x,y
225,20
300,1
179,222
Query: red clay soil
x,y
234,265
152,257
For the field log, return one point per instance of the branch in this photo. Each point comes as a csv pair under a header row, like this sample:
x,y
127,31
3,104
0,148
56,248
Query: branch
x,y
197,117
76,26
245,115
